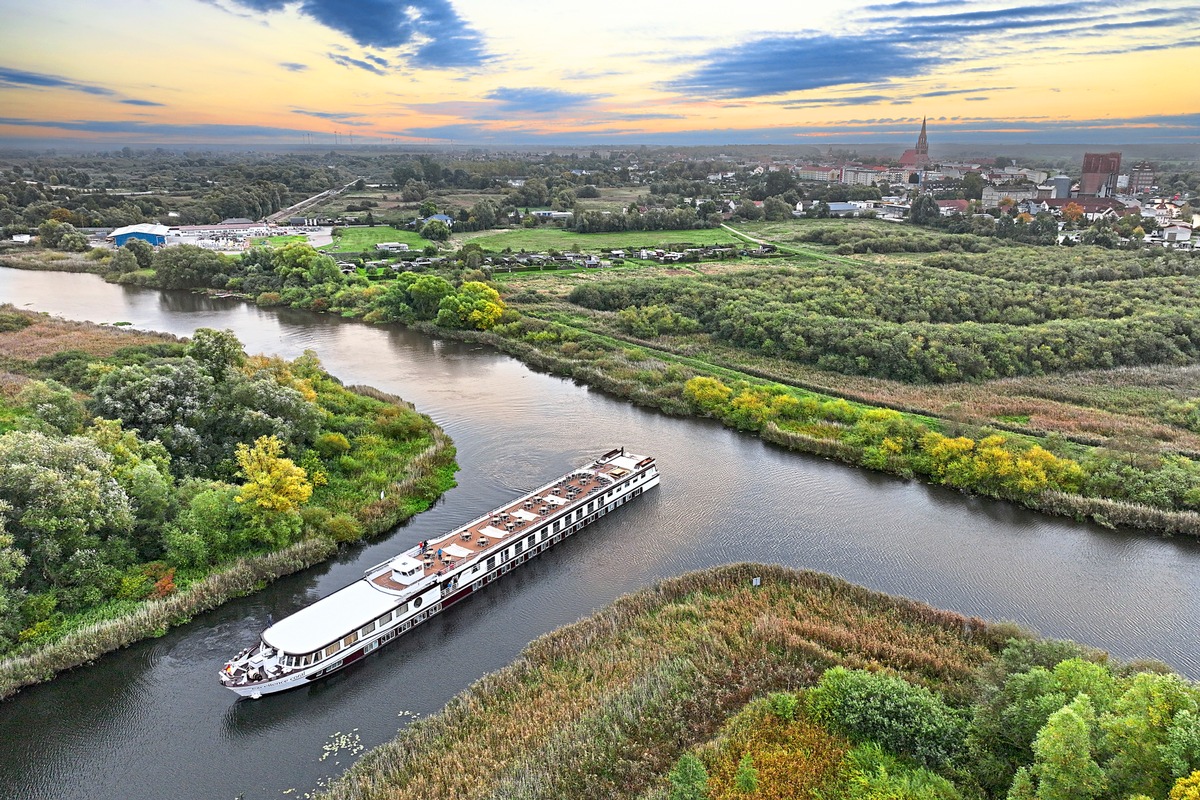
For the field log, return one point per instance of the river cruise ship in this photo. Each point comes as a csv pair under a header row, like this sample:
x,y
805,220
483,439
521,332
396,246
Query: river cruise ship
x,y
397,595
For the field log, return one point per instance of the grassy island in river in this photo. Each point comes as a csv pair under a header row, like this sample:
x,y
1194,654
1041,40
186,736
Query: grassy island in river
x,y
707,686
146,479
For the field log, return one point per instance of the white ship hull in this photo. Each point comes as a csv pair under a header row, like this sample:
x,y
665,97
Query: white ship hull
x,y
325,637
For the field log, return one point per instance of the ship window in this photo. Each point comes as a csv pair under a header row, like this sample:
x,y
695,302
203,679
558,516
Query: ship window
x,y
333,648
418,601
366,629
557,524
491,563
520,546
545,533
351,639
400,611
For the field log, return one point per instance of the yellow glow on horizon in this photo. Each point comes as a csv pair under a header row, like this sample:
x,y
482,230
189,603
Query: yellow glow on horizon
x,y
208,66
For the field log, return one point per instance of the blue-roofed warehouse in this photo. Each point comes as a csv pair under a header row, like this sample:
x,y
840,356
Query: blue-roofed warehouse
x,y
147,232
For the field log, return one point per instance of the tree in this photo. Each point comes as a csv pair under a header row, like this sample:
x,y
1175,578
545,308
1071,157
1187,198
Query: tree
x,y
899,716
1072,212
187,266
973,186
1186,788
1180,752
925,211
747,210
426,293
274,488
1063,762
435,230
298,264
689,779
776,210
67,514
123,261
1138,731
475,305
746,777
53,404
779,182
215,351
51,232
12,563
142,250
174,402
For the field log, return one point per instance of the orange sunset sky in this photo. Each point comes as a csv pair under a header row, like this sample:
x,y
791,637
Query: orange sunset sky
x,y
617,72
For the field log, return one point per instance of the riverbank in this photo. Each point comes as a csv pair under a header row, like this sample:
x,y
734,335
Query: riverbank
x,y
664,390
382,464
1135,476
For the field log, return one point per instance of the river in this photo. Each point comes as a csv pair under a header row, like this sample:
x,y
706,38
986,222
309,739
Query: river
x,y
152,721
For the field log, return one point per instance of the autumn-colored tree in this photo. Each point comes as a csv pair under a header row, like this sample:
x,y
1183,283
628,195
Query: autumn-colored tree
x,y
475,305
706,393
1186,788
273,491
1072,212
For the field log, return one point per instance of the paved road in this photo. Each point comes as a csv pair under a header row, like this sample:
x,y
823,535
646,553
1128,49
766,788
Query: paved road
x,y
325,195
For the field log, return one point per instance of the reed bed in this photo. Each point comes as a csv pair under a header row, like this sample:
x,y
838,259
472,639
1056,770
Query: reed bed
x,y
603,707
154,617
48,335
1112,513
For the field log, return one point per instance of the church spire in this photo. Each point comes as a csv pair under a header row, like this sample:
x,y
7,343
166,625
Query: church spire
x,y
922,143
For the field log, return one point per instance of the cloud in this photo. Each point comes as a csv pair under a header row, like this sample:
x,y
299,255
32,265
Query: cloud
x,y
347,61
198,132
538,101
292,66
783,64
334,115
856,100
441,37
132,102
952,92
341,117
637,117
463,131
19,78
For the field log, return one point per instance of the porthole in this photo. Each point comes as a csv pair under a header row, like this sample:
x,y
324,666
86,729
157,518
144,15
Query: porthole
x,y
417,602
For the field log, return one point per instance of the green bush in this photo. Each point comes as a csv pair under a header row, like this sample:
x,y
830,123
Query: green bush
x,y
330,445
901,717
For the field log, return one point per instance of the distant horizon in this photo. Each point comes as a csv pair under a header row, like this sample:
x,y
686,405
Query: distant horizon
x,y
473,73
947,151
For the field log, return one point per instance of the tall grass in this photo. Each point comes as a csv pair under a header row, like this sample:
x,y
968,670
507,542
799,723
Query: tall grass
x,y
601,708
153,617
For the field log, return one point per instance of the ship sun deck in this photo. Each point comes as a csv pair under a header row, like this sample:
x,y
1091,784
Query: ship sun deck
x,y
512,521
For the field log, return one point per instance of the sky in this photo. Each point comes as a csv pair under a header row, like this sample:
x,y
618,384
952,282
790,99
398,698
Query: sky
x,y
616,72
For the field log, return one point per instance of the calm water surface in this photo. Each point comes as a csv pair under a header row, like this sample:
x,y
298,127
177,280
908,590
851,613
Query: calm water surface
x,y
151,721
